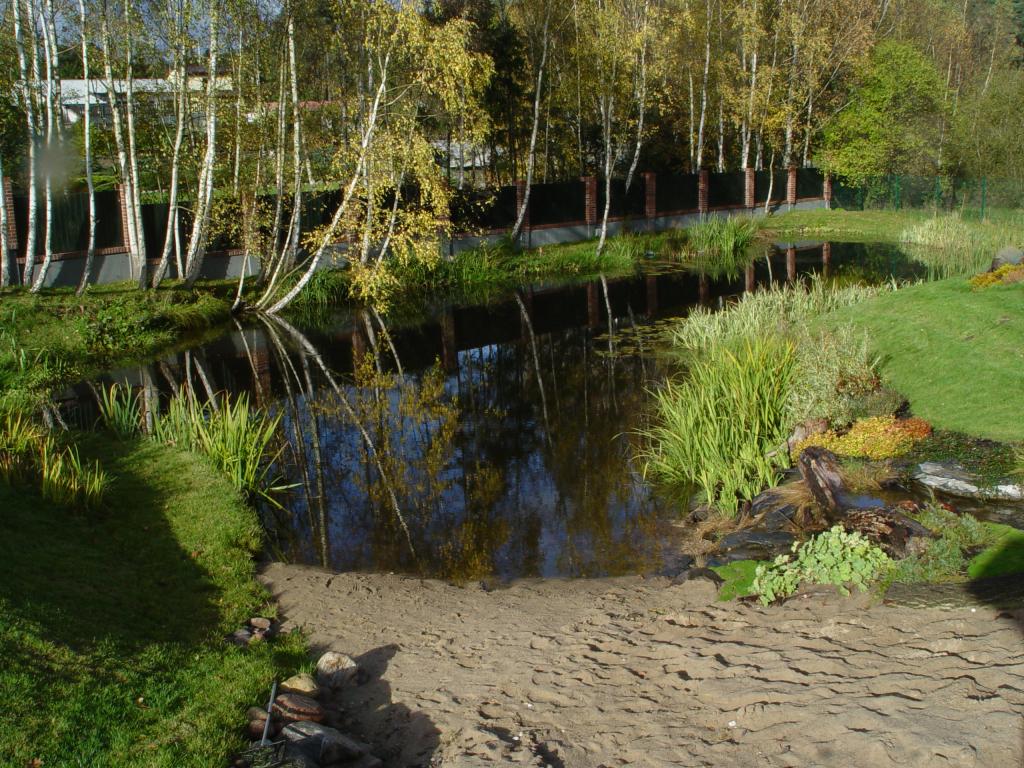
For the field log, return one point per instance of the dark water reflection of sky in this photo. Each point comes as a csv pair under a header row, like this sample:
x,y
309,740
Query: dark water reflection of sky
x,y
505,430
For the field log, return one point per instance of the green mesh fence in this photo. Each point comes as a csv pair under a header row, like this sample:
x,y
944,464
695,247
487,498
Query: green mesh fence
x,y
974,197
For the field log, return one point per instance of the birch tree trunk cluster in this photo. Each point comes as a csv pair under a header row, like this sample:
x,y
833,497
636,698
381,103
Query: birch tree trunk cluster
x,y
303,132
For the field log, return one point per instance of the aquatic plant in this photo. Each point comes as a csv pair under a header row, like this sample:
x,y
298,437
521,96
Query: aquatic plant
x,y
66,480
120,410
721,237
717,428
237,438
30,455
877,437
952,247
833,557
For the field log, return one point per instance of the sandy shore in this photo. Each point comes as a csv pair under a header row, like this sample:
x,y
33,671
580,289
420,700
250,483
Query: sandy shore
x,y
639,672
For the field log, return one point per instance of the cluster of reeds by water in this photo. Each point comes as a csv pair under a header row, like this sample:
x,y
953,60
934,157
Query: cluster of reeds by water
x,y
717,428
235,436
31,455
951,246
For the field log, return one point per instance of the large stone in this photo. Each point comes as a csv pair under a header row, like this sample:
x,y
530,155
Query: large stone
x,y
772,542
336,670
953,479
1008,255
292,707
301,683
327,746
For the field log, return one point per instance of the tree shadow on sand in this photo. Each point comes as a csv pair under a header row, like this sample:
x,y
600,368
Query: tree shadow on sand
x,y
400,737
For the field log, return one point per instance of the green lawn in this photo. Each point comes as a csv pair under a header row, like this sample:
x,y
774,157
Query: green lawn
x,y
112,625
956,354
843,226
55,338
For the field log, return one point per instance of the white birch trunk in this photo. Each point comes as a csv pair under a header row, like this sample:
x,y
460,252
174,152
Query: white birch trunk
x,y
532,158
90,248
29,89
204,199
48,45
180,117
328,236
5,247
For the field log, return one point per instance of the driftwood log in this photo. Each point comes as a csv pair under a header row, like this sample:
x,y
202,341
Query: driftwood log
x,y
897,534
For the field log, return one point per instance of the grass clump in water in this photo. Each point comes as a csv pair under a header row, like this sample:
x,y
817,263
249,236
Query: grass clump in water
x,y
715,429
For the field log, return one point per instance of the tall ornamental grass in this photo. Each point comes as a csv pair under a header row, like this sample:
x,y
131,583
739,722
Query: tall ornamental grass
x,y
717,428
951,246
30,455
236,437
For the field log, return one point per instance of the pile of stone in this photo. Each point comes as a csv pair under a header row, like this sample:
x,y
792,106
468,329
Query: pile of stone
x,y
306,716
255,630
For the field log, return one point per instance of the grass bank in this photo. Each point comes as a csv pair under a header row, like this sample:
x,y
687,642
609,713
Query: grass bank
x,y
957,354
55,338
112,623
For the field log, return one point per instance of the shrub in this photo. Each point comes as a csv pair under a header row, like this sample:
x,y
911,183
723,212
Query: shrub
x,y
877,437
715,430
946,557
833,557
1004,275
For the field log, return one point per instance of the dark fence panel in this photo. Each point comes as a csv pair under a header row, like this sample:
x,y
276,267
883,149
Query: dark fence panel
x,y
481,210
70,221
810,182
558,203
676,192
726,190
623,203
762,179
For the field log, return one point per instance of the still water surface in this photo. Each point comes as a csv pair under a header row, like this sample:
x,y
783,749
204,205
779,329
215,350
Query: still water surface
x,y
505,430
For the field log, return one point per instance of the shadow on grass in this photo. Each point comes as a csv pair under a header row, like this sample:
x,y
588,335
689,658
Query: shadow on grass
x,y
119,576
111,625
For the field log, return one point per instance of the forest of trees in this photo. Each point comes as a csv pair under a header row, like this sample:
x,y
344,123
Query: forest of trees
x,y
235,111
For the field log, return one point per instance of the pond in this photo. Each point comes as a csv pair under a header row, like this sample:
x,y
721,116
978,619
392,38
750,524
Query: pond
x,y
505,431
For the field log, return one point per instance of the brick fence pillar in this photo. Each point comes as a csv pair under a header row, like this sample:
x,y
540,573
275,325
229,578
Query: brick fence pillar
x,y
589,199
122,204
748,187
703,179
791,186
650,196
826,190
826,259
791,264
11,257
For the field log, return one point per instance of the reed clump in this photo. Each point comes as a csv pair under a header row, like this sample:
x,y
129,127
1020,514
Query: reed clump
x,y
951,246
237,438
717,427
31,455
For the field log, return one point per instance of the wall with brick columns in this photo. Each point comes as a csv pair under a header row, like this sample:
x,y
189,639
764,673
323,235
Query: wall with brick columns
x,y
650,194
748,187
826,190
791,186
703,178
